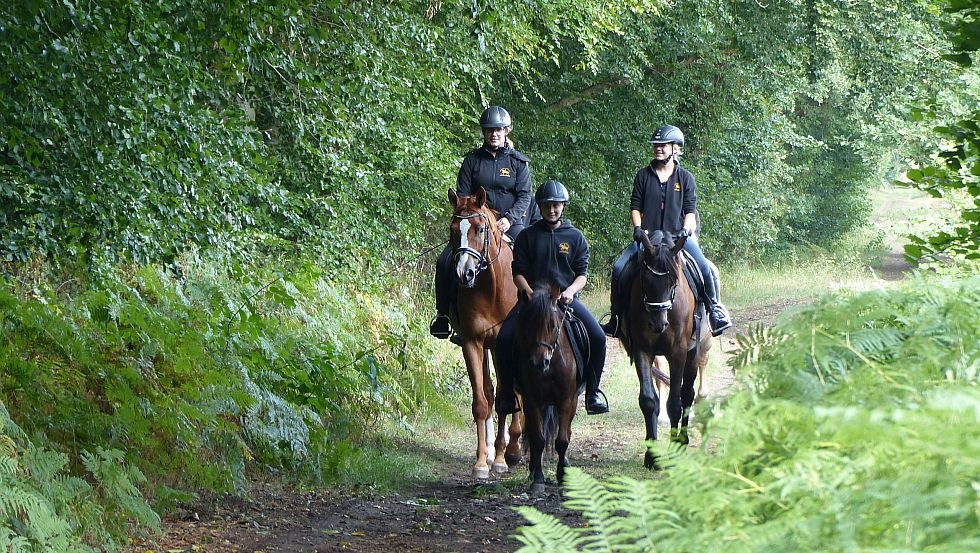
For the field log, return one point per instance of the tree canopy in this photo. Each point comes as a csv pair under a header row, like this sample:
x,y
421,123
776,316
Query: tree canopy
x,y
134,130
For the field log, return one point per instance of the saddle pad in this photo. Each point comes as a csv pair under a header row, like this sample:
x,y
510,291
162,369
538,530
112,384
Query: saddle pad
x,y
578,336
696,281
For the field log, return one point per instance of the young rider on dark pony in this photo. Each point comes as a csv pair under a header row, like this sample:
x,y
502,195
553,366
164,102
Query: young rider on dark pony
x,y
505,175
664,198
551,251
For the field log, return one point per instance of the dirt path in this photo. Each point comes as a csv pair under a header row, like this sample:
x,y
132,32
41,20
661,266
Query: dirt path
x,y
452,512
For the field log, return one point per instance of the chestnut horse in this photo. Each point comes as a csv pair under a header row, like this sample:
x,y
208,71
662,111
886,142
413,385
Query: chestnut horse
x,y
546,374
660,321
485,297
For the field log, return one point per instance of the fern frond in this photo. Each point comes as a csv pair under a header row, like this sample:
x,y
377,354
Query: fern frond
x,y
546,533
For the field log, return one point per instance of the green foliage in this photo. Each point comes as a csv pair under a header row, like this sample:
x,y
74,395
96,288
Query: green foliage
x,y
856,428
792,110
46,509
955,170
193,378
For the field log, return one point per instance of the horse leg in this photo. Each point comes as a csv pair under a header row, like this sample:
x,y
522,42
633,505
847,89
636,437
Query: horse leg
x,y
513,455
566,412
677,370
687,391
473,354
535,436
649,403
507,445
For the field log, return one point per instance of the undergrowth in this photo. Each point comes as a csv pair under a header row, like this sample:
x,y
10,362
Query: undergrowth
x,y
191,375
856,428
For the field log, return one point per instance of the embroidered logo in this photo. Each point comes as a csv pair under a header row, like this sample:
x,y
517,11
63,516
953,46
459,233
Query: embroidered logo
x,y
505,171
564,247
677,186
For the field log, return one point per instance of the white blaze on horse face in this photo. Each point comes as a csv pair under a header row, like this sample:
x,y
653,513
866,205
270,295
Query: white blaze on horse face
x,y
464,262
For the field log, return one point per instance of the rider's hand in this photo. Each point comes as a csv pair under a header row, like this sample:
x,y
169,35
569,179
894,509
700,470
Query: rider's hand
x,y
639,234
566,297
503,224
684,233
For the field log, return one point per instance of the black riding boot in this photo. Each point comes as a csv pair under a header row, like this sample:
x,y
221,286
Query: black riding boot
x,y
720,319
594,404
505,401
717,313
440,326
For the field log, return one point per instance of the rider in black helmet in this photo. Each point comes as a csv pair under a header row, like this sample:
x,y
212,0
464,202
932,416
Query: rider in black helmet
x,y
665,198
505,175
551,251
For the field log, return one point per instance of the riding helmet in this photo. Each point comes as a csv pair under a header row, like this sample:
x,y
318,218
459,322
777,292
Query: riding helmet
x,y
551,191
667,134
495,117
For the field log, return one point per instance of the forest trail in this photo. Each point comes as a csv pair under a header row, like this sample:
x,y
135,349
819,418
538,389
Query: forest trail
x,y
451,511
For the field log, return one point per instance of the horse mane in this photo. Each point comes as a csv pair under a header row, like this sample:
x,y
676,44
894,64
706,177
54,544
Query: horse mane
x,y
660,258
537,310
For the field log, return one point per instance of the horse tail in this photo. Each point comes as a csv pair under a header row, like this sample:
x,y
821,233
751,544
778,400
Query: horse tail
x,y
550,429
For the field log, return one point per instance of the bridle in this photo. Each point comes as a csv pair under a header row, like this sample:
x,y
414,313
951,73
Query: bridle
x,y
481,256
654,306
561,322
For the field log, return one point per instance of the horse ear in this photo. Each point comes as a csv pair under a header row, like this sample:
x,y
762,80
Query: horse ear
x,y
481,197
679,241
554,291
647,244
453,197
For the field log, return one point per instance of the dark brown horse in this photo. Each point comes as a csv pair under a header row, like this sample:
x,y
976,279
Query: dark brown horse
x,y
486,295
546,375
660,321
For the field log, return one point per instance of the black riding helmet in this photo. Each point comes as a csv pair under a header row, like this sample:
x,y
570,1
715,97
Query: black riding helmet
x,y
495,117
667,134
551,191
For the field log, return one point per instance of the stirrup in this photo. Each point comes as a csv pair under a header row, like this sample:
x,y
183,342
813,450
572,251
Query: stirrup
x,y
440,327
611,328
605,401
718,331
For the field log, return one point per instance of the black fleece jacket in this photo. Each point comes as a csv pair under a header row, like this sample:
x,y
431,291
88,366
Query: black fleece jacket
x,y
543,255
506,177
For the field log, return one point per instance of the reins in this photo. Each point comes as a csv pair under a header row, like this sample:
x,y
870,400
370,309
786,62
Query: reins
x,y
659,305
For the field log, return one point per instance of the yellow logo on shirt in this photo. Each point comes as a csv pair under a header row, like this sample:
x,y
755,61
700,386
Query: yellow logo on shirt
x,y
564,247
505,171
677,186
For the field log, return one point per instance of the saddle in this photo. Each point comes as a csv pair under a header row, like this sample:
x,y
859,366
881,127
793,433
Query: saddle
x,y
578,337
696,281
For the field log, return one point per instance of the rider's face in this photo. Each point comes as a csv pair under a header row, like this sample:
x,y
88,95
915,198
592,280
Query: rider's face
x,y
551,211
495,137
662,152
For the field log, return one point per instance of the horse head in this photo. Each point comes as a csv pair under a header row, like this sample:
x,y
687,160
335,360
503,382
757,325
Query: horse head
x,y
660,257
541,321
473,235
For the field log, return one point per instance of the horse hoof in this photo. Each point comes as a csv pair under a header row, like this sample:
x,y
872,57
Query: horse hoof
x,y
513,460
650,462
500,468
481,473
537,488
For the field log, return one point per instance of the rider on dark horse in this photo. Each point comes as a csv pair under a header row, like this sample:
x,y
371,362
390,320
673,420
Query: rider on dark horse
x,y
551,251
664,198
505,175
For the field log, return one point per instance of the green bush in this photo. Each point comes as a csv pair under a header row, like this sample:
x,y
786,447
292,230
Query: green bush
x,y
857,428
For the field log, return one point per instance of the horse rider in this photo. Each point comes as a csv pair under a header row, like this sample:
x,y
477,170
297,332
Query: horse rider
x,y
664,198
551,250
506,176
